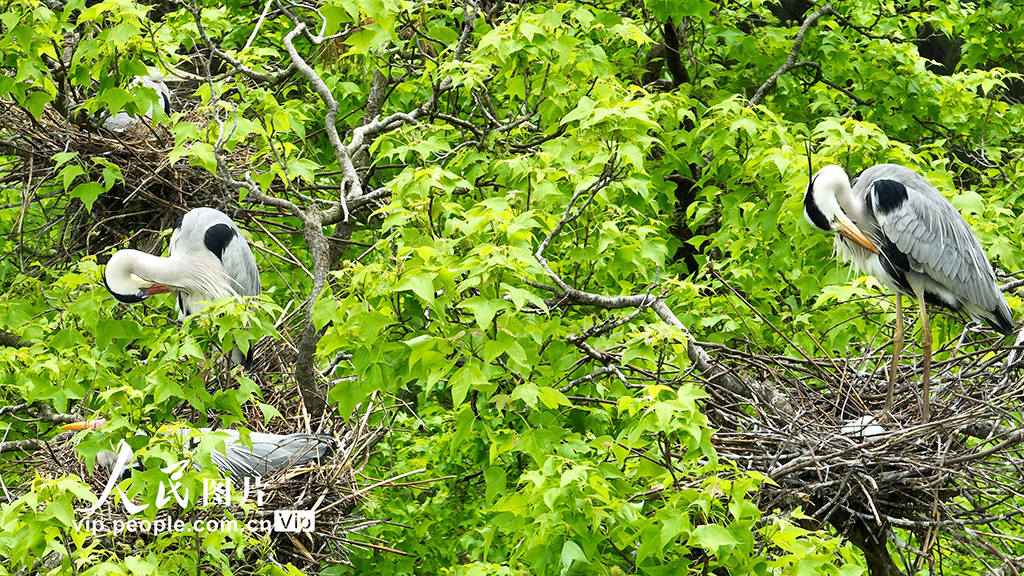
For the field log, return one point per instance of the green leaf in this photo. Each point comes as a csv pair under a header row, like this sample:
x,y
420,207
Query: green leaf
x,y
139,566
69,173
713,538
495,480
571,552
467,377
484,309
87,192
269,412
552,398
420,283
969,202
115,98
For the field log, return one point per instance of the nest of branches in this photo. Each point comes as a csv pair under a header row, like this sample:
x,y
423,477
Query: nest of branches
x,y
937,491
331,488
151,193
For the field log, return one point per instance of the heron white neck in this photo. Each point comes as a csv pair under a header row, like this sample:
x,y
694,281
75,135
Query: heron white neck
x,y
832,191
192,275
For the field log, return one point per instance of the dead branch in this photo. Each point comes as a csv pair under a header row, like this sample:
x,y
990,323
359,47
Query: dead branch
x,y
567,295
791,61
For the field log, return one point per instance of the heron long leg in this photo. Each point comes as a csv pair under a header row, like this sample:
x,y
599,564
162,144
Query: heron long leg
x,y
926,348
897,349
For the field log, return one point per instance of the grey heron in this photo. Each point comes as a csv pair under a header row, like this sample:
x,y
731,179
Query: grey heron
x,y
153,80
891,223
270,453
208,259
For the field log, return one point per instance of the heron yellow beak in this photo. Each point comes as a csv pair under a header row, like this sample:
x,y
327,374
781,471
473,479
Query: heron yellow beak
x,y
85,425
156,289
847,228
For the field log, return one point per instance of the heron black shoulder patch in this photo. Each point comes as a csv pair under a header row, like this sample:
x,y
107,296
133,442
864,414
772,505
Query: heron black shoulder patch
x,y
218,237
812,211
888,196
895,263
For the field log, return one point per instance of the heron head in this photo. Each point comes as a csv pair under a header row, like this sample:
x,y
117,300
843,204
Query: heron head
x,y
107,459
122,282
822,208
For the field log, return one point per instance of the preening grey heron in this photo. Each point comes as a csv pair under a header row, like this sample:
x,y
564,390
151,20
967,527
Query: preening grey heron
x,y
154,80
891,223
270,453
208,259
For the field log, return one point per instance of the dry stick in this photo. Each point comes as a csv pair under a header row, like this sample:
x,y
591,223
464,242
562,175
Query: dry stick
x,y
736,293
791,62
1014,438
841,372
871,502
292,260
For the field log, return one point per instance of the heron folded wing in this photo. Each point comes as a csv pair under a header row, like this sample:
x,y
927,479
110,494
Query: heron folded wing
x,y
241,266
933,233
271,453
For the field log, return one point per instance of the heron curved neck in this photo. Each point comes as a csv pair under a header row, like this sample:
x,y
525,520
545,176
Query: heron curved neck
x,y
844,199
191,274
834,195
165,271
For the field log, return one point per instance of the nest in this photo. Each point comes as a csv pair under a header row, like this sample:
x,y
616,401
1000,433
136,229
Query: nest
x,y
331,489
151,194
938,491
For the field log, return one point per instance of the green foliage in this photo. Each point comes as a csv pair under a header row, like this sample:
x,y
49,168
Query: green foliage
x,y
527,455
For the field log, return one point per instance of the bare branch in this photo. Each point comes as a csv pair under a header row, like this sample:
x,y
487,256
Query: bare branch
x,y
791,62
269,79
9,340
469,9
574,297
30,445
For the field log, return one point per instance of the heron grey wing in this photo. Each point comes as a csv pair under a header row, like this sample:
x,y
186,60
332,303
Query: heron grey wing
x,y
271,453
176,245
240,265
219,235
935,237
238,461
279,452
187,236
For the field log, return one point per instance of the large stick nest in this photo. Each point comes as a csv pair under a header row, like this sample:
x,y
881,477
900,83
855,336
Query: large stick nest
x,y
937,490
332,488
153,191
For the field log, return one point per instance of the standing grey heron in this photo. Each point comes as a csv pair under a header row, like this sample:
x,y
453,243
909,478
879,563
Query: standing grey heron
x,y
208,259
270,453
891,223
153,80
